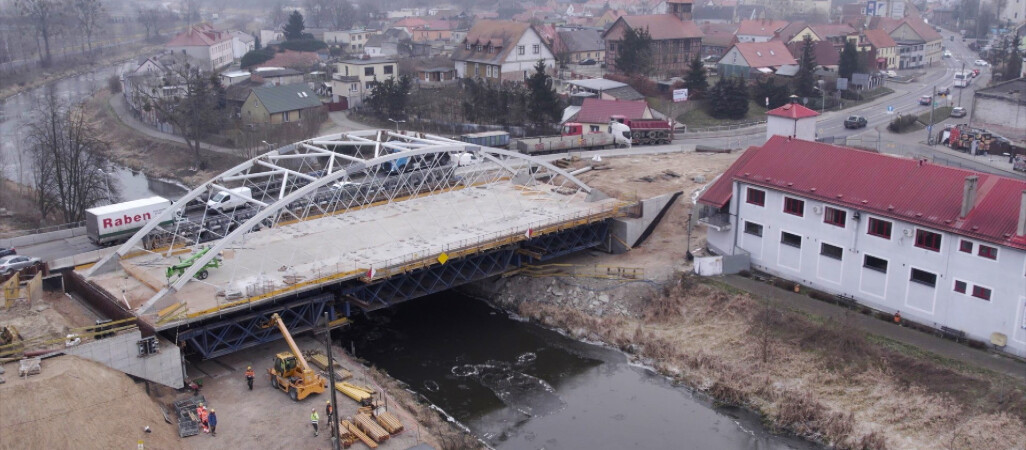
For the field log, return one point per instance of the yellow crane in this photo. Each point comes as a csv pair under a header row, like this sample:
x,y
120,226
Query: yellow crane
x,y
290,372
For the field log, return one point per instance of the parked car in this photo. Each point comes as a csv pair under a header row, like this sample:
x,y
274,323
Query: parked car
x,y
958,111
976,73
947,54
7,251
890,73
855,122
14,263
926,100
588,62
945,91
980,62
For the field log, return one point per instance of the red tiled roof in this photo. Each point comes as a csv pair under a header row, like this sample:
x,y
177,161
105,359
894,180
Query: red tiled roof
x,y
825,52
828,30
763,27
923,29
595,110
792,111
903,189
880,39
501,35
291,58
664,26
765,54
718,34
198,36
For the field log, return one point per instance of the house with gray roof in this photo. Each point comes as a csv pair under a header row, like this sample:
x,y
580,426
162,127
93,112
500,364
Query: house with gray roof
x,y
279,104
579,45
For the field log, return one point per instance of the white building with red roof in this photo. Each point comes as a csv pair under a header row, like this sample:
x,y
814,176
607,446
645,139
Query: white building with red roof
x,y
501,50
944,246
210,48
746,59
792,120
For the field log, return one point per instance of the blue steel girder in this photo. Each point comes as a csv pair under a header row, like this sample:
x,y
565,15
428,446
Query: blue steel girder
x,y
236,333
568,241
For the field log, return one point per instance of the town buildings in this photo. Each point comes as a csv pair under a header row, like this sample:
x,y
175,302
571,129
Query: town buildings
x,y
210,49
499,50
676,40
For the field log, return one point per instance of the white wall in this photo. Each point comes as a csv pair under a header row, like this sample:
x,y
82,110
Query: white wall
x,y
525,63
937,306
802,128
1006,113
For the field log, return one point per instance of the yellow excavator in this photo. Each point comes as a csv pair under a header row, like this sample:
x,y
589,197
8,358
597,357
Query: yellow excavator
x,y
290,372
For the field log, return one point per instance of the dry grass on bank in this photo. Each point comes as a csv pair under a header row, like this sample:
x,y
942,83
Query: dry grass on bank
x,y
825,381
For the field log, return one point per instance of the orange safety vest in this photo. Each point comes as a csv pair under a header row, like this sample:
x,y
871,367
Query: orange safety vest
x,y
202,413
249,373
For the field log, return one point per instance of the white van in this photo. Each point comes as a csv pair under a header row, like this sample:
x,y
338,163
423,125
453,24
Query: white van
x,y
230,199
466,159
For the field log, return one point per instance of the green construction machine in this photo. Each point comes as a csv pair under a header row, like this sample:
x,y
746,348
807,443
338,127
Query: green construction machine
x,y
183,265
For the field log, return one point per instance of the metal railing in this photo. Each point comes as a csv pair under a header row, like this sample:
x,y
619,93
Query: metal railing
x,y
722,128
19,233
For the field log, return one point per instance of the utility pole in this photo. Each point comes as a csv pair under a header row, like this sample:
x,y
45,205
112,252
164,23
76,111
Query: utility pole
x,y
331,385
965,84
929,127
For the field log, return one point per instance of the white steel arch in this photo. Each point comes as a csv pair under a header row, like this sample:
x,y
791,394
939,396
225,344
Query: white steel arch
x,y
288,185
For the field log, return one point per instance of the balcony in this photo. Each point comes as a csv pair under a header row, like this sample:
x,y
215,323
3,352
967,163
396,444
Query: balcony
x,y
718,222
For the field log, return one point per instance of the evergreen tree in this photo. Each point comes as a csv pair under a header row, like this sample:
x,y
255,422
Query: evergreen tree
x,y
737,99
695,79
256,41
388,98
849,63
295,26
717,103
805,79
778,95
635,52
1013,66
543,105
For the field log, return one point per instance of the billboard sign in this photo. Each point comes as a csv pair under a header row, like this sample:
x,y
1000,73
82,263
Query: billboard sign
x,y
680,95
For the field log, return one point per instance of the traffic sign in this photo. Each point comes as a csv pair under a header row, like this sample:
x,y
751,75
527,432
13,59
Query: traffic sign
x,y
890,110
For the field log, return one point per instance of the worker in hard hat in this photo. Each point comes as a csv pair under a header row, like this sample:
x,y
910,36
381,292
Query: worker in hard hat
x,y
249,376
212,420
314,418
329,414
201,411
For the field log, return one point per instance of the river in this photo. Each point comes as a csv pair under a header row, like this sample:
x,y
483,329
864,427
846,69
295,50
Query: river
x,y
16,112
517,385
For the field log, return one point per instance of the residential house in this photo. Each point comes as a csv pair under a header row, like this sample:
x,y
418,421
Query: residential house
x,y
352,41
710,13
242,43
435,73
919,45
883,49
292,59
944,246
1014,11
759,30
271,37
747,59
676,40
498,50
580,45
1001,108
826,54
717,38
605,89
835,33
233,77
380,45
347,89
595,113
426,29
279,104
793,120
209,48
277,76
368,71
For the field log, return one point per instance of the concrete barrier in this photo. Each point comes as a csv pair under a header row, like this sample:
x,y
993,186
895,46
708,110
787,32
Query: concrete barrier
x,y
628,232
79,259
121,352
32,239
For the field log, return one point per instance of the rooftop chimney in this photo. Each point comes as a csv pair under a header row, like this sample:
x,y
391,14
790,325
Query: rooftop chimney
x,y
1020,230
968,195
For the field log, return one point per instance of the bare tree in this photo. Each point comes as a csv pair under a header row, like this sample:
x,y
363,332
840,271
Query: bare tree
x,y
191,101
342,14
68,161
317,11
277,16
88,14
148,18
190,11
45,16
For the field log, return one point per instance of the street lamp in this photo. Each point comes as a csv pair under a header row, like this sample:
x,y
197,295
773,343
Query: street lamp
x,y
396,122
822,91
106,184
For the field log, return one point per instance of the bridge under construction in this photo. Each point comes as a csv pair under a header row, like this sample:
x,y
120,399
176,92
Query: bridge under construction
x,y
340,223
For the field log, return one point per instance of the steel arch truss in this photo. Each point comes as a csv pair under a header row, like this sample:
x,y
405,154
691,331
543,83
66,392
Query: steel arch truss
x,y
327,177
228,336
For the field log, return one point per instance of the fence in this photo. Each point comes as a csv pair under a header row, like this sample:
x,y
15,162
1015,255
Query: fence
x,y
28,237
723,128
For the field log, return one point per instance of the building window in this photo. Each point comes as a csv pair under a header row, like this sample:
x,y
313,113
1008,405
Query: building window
x,y
468,46
756,197
535,49
879,228
753,229
520,49
285,116
981,292
368,71
987,251
793,240
388,69
874,263
928,240
834,216
924,277
960,286
965,246
794,206
831,251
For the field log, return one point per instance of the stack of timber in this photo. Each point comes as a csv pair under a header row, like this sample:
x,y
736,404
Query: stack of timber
x,y
369,426
321,361
363,395
355,431
346,437
389,422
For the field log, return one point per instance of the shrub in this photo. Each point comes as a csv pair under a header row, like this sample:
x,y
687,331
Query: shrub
x,y
114,84
902,123
304,45
255,57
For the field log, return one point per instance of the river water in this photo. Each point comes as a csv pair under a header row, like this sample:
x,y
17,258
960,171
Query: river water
x,y
516,385
17,112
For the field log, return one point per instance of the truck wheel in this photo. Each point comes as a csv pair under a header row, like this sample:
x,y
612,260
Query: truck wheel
x,y
274,382
202,275
293,394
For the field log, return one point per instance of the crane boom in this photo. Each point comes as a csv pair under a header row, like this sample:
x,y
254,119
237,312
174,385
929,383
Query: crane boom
x,y
276,319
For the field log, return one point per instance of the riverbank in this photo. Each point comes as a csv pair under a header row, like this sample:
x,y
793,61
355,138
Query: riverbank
x,y
36,76
156,158
824,380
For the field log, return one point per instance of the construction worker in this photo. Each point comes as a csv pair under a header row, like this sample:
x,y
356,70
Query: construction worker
x,y
314,418
329,415
212,420
249,376
897,317
201,411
